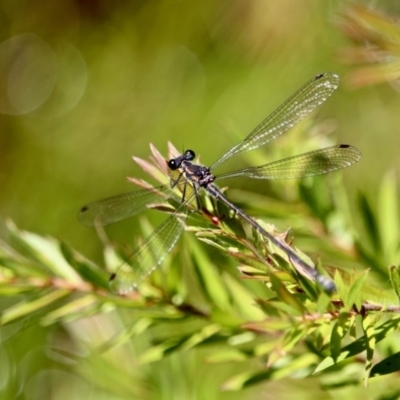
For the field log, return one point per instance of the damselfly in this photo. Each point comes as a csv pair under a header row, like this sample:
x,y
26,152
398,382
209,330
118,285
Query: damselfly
x,y
191,178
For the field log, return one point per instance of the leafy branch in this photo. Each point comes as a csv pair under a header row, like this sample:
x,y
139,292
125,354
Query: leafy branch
x,y
269,314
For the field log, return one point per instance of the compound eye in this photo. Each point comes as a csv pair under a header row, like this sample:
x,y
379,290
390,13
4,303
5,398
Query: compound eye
x,y
172,165
190,155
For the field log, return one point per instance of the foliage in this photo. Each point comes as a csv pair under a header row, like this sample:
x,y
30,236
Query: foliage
x,y
226,316
270,321
377,38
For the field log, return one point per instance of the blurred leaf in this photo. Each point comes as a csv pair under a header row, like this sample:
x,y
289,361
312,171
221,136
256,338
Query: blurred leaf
x,y
360,344
158,352
201,336
269,325
210,279
245,380
185,342
298,367
46,251
340,329
242,299
87,270
6,289
354,295
315,194
29,307
136,328
371,225
394,274
371,259
284,295
369,332
287,366
388,211
310,287
290,340
378,36
75,309
324,303
340,285
226,355
387,366
104,372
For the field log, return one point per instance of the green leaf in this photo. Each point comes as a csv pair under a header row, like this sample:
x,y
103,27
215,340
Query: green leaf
x,y
296,367
185,342
341,288
125,335
310,287
29,307
388,211
369,332
324,303
354,295
75,309
242,299
246,379
201,336
293,336
339,331
360,344
269,325
287,366
387,366
370,223
369,257
394,274
210,278
315,194
45,251
227,356
90,272
285,296
158,352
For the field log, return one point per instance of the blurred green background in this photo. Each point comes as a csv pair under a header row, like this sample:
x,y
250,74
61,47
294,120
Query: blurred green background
x,y
84,85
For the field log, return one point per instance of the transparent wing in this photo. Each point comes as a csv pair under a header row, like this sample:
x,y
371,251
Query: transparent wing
x,y
293,110
150,253
312,163
117,208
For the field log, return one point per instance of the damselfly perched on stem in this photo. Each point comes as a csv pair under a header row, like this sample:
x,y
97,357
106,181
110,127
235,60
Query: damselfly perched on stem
x,y
192,178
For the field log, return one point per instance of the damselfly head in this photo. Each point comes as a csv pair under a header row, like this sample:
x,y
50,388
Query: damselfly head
x,y
176,162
